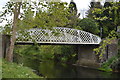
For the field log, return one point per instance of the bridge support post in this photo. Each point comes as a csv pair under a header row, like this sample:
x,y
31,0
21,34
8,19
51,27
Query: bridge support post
x,y
5,44
87,57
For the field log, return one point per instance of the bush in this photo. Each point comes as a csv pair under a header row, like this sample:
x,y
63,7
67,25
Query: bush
x,y
115,65
89,25
106,65
63,53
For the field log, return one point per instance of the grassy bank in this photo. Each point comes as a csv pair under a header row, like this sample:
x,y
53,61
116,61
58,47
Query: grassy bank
x,y
13,70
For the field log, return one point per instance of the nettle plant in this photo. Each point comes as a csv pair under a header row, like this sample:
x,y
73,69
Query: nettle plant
x,y
108,40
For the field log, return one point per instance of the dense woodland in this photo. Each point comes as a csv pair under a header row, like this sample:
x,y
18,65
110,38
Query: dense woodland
x,y
101,20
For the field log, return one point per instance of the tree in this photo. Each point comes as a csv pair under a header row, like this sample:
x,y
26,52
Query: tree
x,y
46,15
52,14
73,7
113,14
107,17
16,12
92,6
55,15
73,17
89,25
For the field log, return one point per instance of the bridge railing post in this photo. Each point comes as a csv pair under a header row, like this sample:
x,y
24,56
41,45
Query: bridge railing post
x,y
78,35
64,35
49,36
92,41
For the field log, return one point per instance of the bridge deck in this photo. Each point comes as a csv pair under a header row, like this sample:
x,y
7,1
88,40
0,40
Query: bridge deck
x,y
53,43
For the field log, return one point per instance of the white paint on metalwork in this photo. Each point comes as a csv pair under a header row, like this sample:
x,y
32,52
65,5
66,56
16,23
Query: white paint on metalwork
x,y
58,35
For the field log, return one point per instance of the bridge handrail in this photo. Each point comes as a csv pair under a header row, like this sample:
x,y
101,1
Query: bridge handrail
x,y
67,35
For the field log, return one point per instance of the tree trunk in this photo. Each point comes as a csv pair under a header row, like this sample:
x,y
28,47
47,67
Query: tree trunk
x,y
9,56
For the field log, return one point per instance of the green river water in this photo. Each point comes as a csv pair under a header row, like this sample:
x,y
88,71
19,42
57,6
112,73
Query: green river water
x,y
51,69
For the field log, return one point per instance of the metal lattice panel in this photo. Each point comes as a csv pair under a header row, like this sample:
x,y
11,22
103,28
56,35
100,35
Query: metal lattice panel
x,y
58,35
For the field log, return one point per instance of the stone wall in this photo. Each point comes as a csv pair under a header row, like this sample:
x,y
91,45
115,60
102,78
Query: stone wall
x,y
5,44
111,50
87,57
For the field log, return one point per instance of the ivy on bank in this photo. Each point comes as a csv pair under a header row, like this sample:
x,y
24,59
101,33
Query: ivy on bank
x,y
108,40
106,66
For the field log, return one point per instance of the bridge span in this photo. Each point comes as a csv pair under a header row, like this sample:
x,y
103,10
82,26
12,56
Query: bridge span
x,y
57,35
65,36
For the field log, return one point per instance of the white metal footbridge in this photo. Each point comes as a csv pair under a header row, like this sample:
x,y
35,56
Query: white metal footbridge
x,y
57,35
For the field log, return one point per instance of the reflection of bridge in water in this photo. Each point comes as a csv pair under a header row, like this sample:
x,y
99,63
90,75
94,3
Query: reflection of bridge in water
x,y
57,35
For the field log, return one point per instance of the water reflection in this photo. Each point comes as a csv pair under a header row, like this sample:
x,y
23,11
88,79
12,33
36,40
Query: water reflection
x,y
57,70
50,69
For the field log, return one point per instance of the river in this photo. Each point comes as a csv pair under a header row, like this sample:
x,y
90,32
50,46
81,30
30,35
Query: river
x,y
51,69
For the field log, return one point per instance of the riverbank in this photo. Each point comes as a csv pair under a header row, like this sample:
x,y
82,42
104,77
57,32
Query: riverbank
x,y
13,70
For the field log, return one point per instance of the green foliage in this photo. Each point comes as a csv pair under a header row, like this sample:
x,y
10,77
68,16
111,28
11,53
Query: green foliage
x,y
28,51
92,7
107,16
106,65
73,16
12,70
6,29
49,15
89,25
73,8
108,40
68,53
105,68
40,15
48,52
115,65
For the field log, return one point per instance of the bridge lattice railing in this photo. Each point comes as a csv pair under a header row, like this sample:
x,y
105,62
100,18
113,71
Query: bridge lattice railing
x,y
58,35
